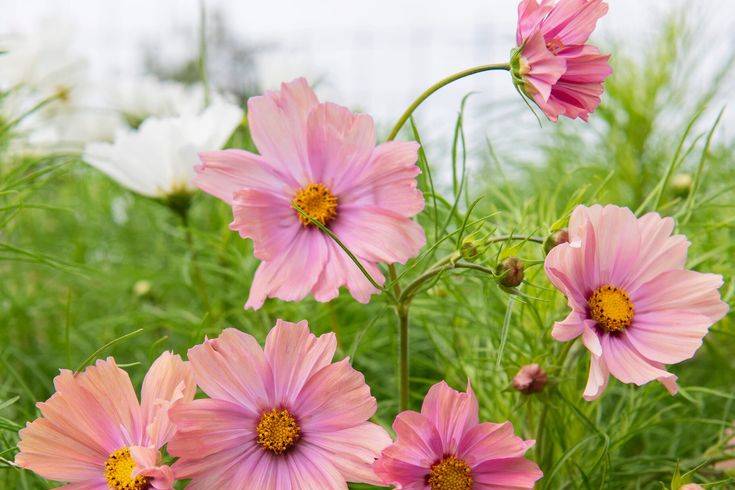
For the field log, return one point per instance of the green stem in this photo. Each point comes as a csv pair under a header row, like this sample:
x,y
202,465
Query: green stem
x,y
203,51
196,273
441,83
402,311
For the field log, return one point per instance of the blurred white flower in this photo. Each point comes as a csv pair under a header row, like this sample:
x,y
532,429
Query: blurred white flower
x,y
158,159
137,99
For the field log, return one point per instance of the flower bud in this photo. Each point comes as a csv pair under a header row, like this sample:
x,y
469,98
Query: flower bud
x,y
681,184
691,486
510,272
556,238
470,249
530,379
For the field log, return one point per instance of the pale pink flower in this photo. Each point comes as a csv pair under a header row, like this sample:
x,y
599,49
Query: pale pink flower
x,y
556,67
531,378
634,304
95,435
446,447
280,417
322,157
691,486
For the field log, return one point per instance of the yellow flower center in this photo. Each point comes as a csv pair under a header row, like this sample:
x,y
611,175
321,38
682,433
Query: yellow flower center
x,y
119,472
278,430
450,474
318,202
611,308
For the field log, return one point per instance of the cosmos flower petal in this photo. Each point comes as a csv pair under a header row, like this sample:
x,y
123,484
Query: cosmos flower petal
x,y
627,364
573,21
233,368
530,15
389,180
354,450
278,122
268,219
506,473
340,144
451,412
668,336
570,328
340,269
291,275
147,464
295,356
590,338
598,378
488,441
207,426
543,69
223,173
168,381
378,234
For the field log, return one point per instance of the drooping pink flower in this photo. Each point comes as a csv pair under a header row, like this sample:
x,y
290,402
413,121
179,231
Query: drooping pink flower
x,y
633,302
555,66
95,435
323,158
531,378
280,417
446,447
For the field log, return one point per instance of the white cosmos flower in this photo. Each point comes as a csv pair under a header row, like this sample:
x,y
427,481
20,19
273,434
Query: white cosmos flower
x,y
157,159
147,96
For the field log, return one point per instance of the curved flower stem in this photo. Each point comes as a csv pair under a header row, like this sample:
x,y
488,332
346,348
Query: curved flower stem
x,y
441,83
196,273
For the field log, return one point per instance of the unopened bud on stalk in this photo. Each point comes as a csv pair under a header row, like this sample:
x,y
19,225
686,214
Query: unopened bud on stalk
x,y
510,272
681,184
470,249
556,238
691,486
530,379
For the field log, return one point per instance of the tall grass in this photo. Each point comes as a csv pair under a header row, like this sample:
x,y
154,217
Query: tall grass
x,y
85,264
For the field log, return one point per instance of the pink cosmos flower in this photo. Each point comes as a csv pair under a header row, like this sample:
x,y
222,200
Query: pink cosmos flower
x,y
555,67
94,434
445,447
634,304
283,417
323,158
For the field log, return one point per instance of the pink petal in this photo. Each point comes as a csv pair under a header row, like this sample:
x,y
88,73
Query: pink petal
x,y
598,378
544,69
278,127
207,427
146,461
340,270
228,464
169,380
570,328
98,484
660,252
334,398
340,144
308,468
223,173
590,338
295,355
388,181
627,364
452,413
572,21
682,290
378,235
407,462
268,219
488,441
353,450
530,15
291,275
509,473
233,367
668,336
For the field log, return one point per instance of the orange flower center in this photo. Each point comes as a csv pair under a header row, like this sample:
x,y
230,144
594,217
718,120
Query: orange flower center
x,y
278,430
318,202
611,308
450,473
119,472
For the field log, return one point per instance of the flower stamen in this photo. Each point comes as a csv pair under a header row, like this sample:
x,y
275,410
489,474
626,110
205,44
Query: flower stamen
x,y
278,431
318,202
450,473
119,472
611,308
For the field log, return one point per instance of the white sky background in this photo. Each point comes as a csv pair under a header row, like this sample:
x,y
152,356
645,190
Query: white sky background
x,y
375,55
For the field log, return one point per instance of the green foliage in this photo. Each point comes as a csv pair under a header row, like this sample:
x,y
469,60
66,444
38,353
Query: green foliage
x,y
85,265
